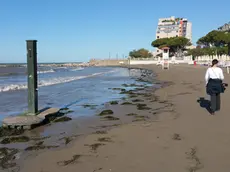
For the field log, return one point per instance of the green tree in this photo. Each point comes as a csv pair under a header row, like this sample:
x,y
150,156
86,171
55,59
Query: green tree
x,y
215,38
176,44
141,53
218,39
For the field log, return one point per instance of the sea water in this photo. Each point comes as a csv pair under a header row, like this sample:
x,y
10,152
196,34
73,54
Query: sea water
x,y
60,87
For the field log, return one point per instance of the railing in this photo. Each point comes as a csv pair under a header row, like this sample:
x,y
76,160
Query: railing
x,y
210,58
185,59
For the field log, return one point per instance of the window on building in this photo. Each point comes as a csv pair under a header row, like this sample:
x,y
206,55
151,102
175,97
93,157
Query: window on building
x,y
176,35
158,37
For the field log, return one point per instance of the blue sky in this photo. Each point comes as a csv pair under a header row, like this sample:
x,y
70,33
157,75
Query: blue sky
x,y
77,30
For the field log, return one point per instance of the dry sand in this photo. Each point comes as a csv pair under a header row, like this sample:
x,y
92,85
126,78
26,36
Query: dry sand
x,y
181,137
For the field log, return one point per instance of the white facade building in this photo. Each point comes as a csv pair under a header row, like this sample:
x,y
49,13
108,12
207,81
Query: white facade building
x,y
189,31
174,27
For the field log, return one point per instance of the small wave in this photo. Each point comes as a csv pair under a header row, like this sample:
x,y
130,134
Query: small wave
x,y
42,83
46,71
77,69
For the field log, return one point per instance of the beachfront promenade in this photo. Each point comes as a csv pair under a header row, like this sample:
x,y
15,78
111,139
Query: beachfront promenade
x,y
224,59
183,136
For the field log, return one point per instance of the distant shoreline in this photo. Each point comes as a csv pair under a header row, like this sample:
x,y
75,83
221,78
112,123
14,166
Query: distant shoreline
x,y
45,64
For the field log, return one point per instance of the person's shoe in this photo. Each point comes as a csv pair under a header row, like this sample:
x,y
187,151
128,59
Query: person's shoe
x,y
212,113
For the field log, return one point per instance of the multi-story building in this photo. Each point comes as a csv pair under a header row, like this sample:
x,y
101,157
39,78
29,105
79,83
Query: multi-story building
x,y
174,27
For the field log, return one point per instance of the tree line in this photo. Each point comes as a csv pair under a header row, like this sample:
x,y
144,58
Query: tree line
x,y
176,44
214,43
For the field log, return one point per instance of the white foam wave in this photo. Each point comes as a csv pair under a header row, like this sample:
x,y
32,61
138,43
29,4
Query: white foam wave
x,y
77,69
46,71
42,83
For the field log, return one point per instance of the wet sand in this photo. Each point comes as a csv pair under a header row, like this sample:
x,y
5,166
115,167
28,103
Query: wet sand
x,y
169,132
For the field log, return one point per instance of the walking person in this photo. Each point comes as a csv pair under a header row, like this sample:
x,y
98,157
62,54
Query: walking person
x,y
214,85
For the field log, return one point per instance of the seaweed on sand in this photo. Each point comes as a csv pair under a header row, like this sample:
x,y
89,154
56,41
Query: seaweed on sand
x,y
105,139
95,146
39,138
10,132
105,112
126,103
100,132
111,118
62,119
39,143
137,100
73,160
6,157
131,114
192,155
67,140
133,96
176,137
142,107
18,139
39,146
140,118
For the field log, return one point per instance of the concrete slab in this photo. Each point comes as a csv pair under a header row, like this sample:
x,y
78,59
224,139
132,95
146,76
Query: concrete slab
x,y
28,120
48,112
20,121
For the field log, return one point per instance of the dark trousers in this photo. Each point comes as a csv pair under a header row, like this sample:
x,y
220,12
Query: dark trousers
x,y
215,102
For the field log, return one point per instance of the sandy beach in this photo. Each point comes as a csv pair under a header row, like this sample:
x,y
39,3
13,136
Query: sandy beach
x,y
173,131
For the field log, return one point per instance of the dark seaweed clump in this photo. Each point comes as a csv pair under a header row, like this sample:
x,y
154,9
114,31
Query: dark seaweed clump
x,y
10,132
6,158
95,146
39,147
140,118
74,160
111,118
19,139
104,139
126,103
142,107
131,114
106,112
62,119
137,100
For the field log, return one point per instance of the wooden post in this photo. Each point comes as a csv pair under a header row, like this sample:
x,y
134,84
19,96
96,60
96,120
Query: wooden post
x,y
32,76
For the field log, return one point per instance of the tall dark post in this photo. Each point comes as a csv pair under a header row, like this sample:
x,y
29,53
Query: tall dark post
x,y
32,76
